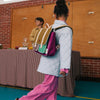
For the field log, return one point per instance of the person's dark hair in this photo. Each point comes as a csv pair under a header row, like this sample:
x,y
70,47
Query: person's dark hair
x,y
61,8
40,19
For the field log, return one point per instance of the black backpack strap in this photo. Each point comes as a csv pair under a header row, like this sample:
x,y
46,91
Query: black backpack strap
x,y
62,27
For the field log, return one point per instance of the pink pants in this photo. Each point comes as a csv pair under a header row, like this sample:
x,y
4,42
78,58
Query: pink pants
x,y
46,90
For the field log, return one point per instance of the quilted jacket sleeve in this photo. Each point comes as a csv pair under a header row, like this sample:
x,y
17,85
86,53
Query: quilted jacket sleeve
x,y
65,42
32,35
64,70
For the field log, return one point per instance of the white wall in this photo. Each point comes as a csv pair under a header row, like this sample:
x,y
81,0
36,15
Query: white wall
x,y
10,1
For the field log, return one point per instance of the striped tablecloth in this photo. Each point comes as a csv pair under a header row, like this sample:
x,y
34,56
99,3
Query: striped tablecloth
x,y
18,68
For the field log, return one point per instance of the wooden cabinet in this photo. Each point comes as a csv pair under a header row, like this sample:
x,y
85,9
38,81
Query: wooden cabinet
x,y
23,21
84,18
86,23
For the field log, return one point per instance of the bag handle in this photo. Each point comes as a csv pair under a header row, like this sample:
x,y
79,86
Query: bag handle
x,y
47,25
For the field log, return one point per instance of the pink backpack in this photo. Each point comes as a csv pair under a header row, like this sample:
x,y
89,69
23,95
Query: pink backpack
x,y
50,46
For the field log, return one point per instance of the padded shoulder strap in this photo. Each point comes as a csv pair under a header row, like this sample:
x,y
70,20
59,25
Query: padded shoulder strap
x,y
62,27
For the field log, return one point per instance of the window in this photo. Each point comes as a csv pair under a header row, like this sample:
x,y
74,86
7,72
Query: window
x,y
10,1
14,0
7,0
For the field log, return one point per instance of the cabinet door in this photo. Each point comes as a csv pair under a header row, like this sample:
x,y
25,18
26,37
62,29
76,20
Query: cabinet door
x,y
86,25
70,16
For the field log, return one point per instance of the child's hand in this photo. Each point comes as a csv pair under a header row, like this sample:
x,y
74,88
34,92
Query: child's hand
x,y
62,73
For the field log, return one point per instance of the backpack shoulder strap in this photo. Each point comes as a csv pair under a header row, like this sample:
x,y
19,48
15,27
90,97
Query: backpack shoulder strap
x,y
62,27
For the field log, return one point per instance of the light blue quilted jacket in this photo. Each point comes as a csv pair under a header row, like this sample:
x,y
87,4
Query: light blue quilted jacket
x,y
62,58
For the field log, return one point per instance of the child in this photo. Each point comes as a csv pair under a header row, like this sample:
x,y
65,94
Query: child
x,y
39,23
56,65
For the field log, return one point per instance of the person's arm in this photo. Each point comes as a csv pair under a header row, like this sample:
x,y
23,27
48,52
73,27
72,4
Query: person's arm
x,y
65,42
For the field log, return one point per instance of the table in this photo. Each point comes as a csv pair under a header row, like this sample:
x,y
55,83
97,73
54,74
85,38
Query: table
x,y
18,68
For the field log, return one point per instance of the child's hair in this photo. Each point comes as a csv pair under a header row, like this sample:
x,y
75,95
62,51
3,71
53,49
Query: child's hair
x,y
40,19
61,9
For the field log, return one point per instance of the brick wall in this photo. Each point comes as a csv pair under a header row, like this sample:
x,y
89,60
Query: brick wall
x,y
90,67
5,25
